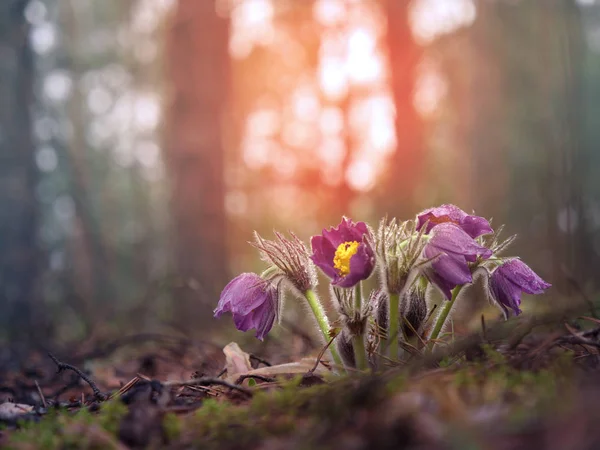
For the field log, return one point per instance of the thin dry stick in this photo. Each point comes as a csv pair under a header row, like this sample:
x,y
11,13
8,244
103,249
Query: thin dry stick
x,y
41,394
203,389
410,326
579,338
260,360
593,319
209,381
126,387
321,353
63,366
429,316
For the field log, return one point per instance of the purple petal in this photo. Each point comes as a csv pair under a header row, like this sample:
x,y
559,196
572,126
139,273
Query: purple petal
x,y
451,248
323,254
474,226
244,322
450,238
252,302
243,294
521,275
346,231
506,293
508,281
325,246
451,267
264,317
443,285
233,290
445,213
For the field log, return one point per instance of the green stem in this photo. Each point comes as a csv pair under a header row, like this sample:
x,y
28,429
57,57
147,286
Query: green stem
x,y
393,330
358,296
317,309
360,353
441,320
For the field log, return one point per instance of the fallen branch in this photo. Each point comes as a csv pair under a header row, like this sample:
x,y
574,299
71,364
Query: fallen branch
x,y
209,381
63,366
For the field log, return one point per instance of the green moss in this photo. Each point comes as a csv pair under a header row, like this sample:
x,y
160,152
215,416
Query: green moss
x,y
62,429
171,427
307,412
110,415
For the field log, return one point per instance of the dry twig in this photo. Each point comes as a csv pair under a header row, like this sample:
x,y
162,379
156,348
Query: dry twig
x,y
208,381
63,366
321,353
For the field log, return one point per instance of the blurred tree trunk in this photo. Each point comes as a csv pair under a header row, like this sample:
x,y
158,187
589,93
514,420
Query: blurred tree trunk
x,y
91,282
523,130
19,255
405,170
566,165
199,68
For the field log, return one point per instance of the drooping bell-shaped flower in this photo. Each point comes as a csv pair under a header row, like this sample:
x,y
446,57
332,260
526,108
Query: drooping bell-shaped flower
x,y
474,226
449,248
344,253
512,278
252,301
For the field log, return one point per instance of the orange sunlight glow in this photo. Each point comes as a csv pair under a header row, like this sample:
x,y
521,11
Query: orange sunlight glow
x,y
352,69
343,100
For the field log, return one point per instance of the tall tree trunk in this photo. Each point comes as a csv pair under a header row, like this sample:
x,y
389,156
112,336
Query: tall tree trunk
x,y
91,280
19,256
404,174
199,69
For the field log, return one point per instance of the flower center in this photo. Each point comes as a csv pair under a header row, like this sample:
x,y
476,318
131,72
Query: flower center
x,y
343,254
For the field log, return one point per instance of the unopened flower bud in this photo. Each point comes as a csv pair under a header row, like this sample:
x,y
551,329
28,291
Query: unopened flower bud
x,y
345,348
291,258
414,310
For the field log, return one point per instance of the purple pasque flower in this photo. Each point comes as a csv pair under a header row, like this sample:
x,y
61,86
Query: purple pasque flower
x,y
252,301
344,253
450,248
474,226
509,280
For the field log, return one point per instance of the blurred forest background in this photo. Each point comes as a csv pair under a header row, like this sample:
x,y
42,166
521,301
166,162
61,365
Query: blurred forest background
x,y
141,142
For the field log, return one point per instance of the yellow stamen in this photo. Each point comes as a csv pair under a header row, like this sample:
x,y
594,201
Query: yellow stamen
x,y
343,254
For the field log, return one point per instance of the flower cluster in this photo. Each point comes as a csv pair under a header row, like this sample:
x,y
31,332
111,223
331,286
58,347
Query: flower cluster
x,y
441,249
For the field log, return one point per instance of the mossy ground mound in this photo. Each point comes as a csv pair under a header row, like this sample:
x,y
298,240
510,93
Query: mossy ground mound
x,y
525,397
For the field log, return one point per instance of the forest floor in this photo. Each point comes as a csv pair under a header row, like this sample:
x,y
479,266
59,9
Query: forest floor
x,y
523,384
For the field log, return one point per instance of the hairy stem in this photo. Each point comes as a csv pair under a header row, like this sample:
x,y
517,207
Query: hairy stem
x,y
360,353
441,320
319,312
393,325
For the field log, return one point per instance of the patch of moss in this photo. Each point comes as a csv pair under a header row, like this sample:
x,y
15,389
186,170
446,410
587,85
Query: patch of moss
x,y
171,427
61,429
277,413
